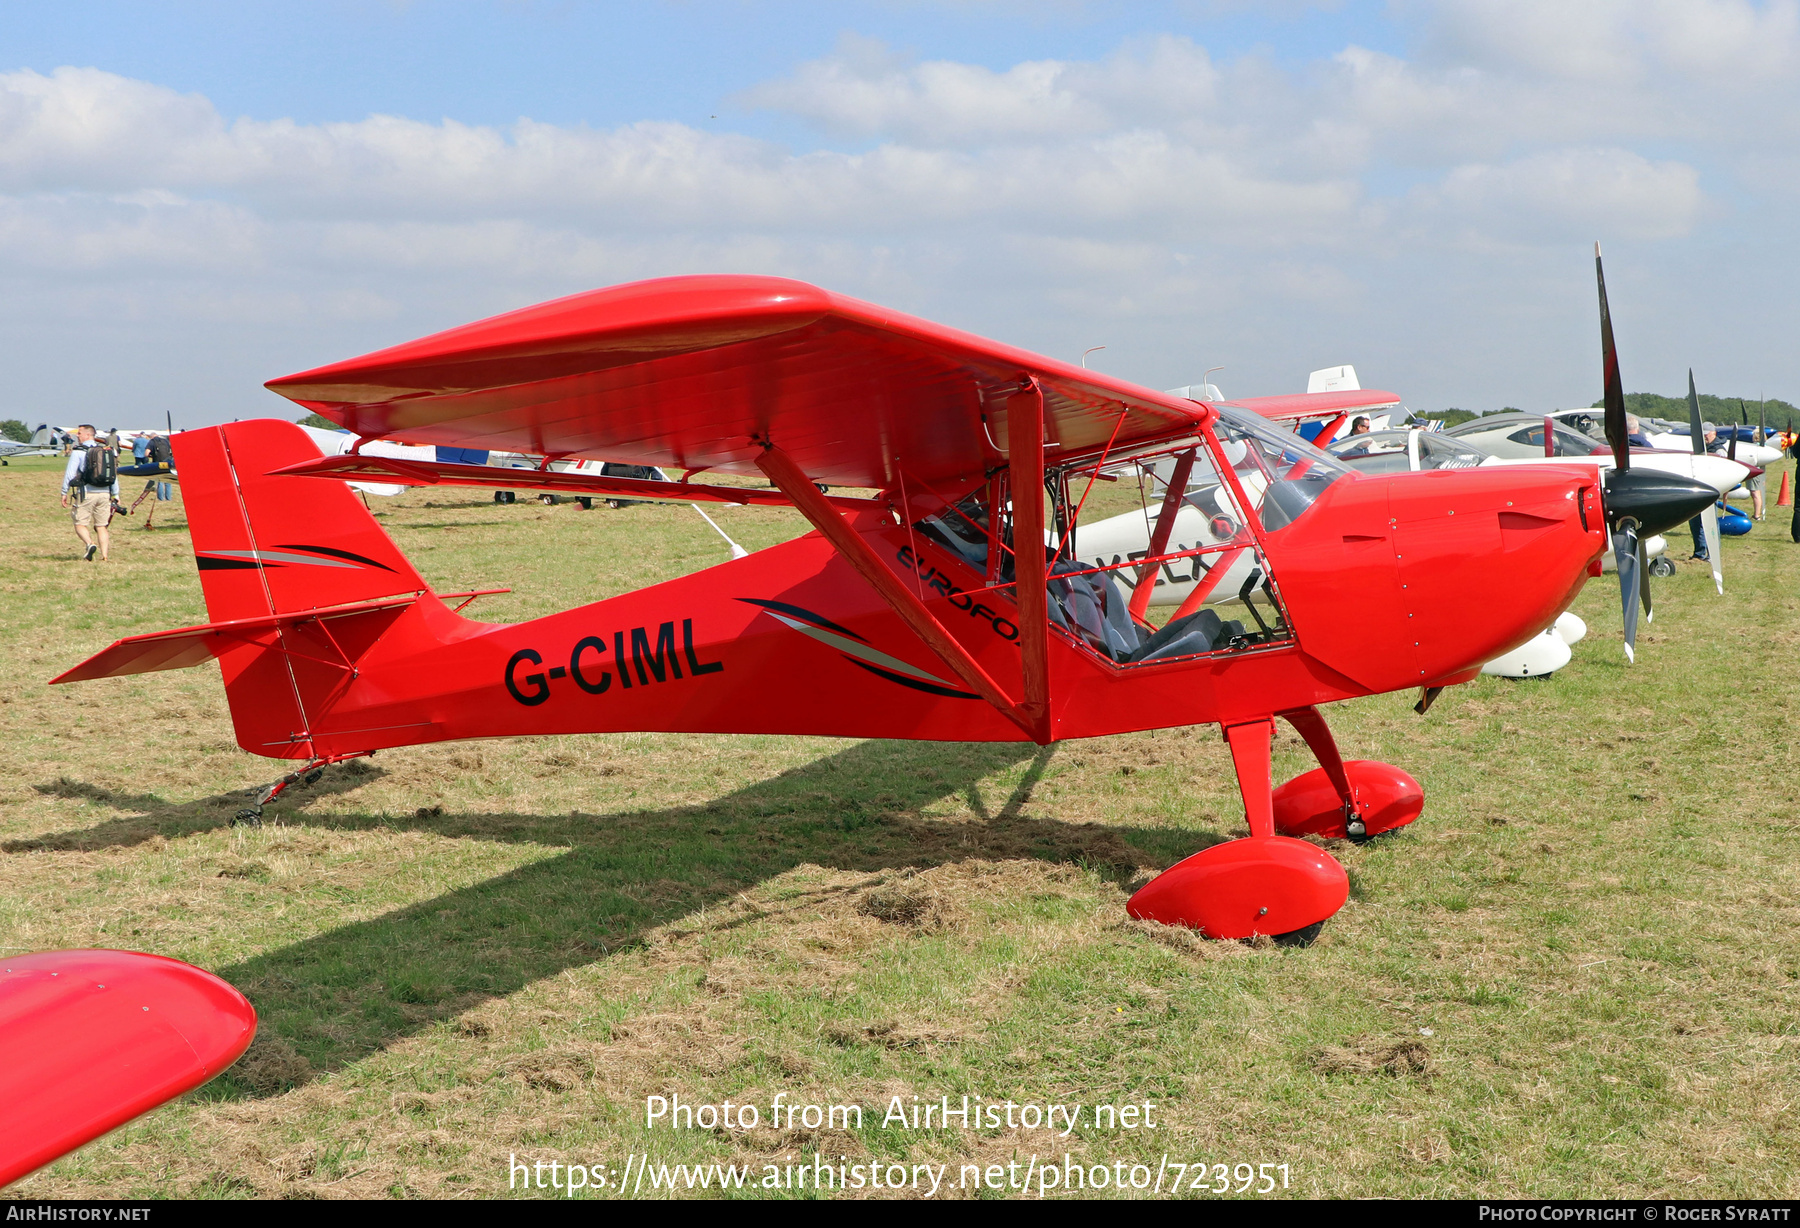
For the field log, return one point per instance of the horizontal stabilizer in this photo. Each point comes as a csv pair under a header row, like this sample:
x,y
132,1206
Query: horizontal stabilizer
x,y
1299,406
410,472
186,646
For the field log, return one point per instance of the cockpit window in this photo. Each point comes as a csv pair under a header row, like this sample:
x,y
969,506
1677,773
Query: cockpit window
x,y
1151,574
1280,472
1563,442
1439,452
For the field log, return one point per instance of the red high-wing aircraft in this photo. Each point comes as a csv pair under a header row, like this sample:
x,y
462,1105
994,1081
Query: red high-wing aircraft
x,y
912,614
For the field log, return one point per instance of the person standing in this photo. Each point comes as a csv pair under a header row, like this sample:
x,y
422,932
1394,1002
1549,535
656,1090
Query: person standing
x,y
1710,435
90,484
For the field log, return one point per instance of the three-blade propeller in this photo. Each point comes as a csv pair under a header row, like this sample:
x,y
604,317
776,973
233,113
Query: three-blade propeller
x,y
1638,504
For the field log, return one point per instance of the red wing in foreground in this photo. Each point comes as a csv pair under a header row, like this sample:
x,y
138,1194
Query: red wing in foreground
x,y
91,1039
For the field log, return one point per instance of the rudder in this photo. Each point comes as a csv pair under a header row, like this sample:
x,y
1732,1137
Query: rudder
x,y
272,545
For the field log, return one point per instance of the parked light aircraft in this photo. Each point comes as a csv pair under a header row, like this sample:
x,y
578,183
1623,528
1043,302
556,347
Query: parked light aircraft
x,y
917,613
45,441
1512,437
1412,449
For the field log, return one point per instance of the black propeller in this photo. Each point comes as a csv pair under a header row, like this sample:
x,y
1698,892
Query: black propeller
x,y
1709,518
1637,504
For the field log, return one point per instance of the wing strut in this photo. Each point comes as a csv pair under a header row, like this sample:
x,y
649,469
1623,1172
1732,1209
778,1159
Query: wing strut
x,y
789,478
1025,460
1145,587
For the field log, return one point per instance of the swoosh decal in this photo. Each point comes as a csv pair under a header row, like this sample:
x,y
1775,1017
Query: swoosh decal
x,y
928,688
337,554
876,661
274,556
808,615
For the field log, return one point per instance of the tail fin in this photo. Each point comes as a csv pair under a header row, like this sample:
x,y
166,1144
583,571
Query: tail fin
x,y
300,583
275,545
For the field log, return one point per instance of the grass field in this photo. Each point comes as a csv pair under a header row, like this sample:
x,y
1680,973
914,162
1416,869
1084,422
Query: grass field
x,y
1574,976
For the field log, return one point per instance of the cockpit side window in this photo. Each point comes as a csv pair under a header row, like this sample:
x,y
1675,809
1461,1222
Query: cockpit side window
x,y
962,529
1439,452
1207,589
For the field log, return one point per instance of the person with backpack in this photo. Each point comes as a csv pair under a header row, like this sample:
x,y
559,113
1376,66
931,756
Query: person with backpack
x,y
90,485
162,456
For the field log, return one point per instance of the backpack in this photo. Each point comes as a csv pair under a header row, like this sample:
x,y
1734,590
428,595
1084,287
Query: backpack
x,y
99,467
160,451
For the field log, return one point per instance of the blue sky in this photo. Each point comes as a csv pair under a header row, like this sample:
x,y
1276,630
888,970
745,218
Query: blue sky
x,y
596,64
196,197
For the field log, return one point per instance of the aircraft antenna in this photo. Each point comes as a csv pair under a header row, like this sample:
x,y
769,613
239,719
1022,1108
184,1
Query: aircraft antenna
x,y
1088,351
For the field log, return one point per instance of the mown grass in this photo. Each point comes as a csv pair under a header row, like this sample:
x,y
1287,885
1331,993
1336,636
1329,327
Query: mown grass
x,y
1575,976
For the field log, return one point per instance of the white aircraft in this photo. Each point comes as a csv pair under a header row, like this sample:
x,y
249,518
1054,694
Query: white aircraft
x,y
1398,451
1674,437
45,441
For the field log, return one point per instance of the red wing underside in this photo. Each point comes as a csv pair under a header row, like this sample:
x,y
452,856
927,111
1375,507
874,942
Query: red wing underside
x,y
696,372
423,473
1306,406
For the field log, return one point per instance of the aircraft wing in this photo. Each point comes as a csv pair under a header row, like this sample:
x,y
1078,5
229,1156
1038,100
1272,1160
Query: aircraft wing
x,y
94,1038
1306,406
692,372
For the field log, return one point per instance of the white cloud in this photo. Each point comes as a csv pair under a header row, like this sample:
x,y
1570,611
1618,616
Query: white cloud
x,y
863,89
1568,195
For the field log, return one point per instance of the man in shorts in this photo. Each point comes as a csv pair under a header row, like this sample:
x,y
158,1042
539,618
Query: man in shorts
x,y
91,505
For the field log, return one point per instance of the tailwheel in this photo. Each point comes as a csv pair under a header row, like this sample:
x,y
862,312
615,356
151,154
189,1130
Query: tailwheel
x,y
1272,886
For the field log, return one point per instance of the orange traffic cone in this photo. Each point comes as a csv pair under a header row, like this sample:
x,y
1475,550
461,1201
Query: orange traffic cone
x,y
1786,497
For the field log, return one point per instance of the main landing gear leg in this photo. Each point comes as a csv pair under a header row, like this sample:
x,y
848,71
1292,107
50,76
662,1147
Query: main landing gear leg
x,y
1266,884
1355,800
251,815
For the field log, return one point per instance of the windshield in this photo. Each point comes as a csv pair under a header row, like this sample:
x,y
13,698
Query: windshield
x,y
1563,442
1282,475
1374,451
1438,452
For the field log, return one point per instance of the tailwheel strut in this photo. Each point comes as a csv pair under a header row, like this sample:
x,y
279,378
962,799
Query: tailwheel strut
x,y
1266,885
251,815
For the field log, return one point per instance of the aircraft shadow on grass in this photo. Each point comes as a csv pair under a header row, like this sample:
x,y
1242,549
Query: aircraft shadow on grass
x,y
344,994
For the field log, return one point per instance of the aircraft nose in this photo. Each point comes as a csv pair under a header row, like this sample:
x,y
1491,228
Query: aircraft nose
x,y
1657,501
